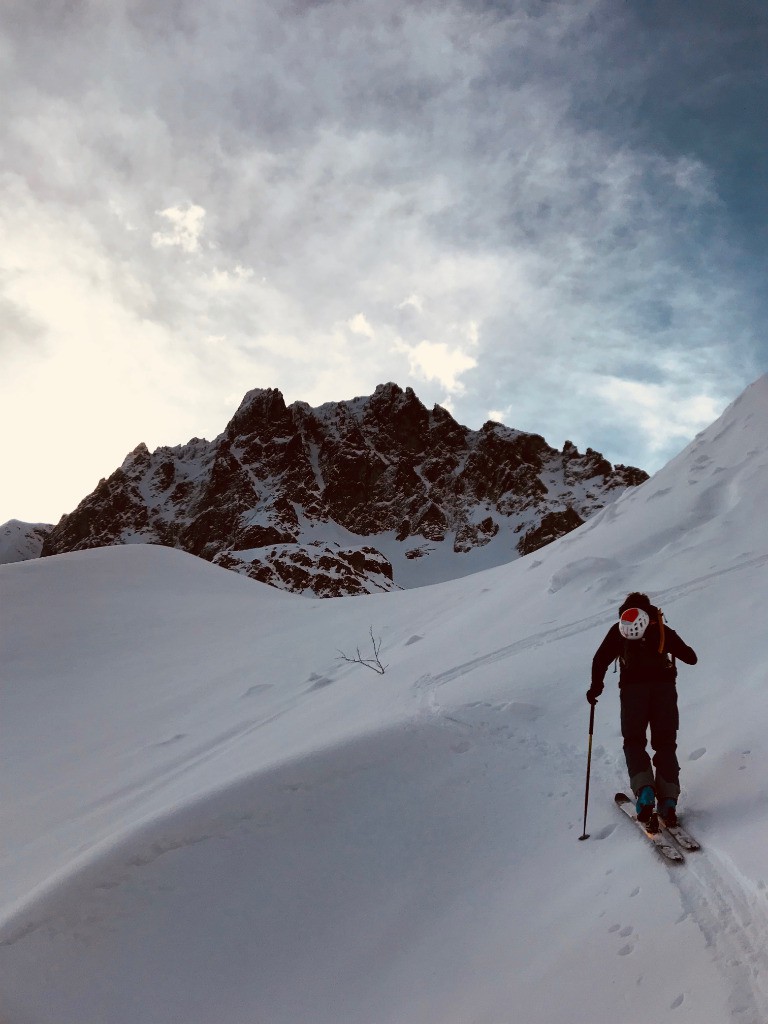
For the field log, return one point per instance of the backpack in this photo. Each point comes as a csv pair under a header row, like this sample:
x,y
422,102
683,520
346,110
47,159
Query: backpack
x,y
646,656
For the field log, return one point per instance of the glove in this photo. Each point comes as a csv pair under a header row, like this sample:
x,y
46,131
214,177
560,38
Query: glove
x,y
592,695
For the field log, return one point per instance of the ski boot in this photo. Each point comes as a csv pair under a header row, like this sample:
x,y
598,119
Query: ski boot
x,y
646,798
667,809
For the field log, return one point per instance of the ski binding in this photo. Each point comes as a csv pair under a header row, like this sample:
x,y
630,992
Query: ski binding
x,y
651,830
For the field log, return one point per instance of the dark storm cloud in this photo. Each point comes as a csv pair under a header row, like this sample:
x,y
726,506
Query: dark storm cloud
x,y
496,202
691,78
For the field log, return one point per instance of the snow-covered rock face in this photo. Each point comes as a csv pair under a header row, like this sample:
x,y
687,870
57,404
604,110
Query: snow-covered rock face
x,y
21,541
349,498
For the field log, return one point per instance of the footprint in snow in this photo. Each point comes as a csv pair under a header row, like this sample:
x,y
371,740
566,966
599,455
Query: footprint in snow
x,y
527,712
173,739
319,682
696,754
258,688
413,640
677,1002
461,747
604,832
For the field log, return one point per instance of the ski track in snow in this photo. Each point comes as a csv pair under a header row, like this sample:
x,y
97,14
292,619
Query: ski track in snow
x,y
734,922
575,628
730,913
699,582
510,650
136,792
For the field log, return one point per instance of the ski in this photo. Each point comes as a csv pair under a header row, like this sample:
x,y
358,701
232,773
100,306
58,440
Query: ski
x,y
652,832
681,836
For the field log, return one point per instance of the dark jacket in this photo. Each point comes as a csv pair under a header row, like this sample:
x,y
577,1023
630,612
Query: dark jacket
x,y
644,664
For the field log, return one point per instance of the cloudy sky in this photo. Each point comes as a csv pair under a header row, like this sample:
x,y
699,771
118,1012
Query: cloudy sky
x,y
547,212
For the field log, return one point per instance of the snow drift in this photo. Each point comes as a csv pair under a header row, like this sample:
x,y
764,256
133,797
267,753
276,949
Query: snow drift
x,y
209,816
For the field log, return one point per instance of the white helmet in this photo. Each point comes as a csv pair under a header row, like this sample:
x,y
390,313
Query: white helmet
x,y
633,623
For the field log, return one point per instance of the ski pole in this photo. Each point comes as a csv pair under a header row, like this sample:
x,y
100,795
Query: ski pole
x,y
589,765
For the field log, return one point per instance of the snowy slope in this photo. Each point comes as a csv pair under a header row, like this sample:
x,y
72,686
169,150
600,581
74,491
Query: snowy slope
x,y
208,816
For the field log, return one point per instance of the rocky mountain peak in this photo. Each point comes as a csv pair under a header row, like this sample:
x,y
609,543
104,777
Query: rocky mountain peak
x,y
349,497
263,412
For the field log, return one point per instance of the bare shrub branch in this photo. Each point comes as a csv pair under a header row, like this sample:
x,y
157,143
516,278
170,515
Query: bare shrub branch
x,y
372,663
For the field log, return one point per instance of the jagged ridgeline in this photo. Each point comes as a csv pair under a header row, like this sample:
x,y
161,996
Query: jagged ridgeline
x,y
351,497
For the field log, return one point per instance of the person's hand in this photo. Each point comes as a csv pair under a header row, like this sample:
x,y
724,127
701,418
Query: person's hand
x,y
592,695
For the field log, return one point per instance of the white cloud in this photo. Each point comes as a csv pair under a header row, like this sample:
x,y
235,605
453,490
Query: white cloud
x,y
358,324
434,360
106,377
185,231
229,280
412,302
662,412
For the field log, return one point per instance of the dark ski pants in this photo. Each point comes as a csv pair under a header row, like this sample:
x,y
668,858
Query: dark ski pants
x,y
655,705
